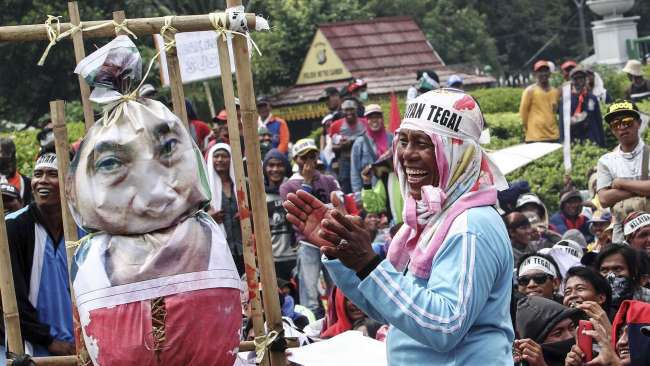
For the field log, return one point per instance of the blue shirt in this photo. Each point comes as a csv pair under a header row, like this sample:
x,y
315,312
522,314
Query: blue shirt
x,y
460,314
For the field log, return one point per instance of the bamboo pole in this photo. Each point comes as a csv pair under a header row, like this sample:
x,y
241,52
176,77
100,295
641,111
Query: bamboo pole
x,y
8,291
242,195
118,17
256,183
57,112
139,26
208,96
176,86
79,54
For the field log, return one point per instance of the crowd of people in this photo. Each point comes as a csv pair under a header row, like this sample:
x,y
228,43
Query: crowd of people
x,y
516,280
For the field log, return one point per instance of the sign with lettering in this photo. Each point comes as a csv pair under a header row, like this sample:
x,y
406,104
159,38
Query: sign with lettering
x,y
197,56
322,63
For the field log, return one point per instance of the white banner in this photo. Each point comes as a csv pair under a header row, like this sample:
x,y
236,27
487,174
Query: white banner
x,y
197,55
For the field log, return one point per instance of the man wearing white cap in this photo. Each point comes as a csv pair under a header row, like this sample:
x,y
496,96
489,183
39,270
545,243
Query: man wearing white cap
x,y
636,229
309,179
639,88
368,147
39,265
445,286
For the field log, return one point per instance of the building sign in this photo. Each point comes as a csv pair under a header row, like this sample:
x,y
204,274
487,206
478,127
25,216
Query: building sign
x,y
322,63
198,57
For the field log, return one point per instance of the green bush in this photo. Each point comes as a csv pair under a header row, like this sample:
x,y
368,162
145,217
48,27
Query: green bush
x,y
546,175
498,100
27,146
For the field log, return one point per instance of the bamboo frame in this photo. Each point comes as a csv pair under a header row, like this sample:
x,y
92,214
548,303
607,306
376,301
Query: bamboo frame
x,y
248,240
139,27
261,238
79,54
57,112
8,291
256,187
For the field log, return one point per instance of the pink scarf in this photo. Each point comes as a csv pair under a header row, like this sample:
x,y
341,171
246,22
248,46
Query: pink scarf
x,y
380,139
428,221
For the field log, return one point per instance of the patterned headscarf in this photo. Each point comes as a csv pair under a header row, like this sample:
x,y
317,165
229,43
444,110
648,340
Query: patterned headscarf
x,y
467,178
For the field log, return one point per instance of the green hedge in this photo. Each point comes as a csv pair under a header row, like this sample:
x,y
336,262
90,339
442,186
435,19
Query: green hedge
x,y
498,100
27,146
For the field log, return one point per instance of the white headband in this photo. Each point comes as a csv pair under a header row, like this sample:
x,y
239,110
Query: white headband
x,y
46,161
570,247
538,263
635,224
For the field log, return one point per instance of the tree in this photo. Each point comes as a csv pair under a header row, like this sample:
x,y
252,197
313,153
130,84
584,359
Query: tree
x,y
460,35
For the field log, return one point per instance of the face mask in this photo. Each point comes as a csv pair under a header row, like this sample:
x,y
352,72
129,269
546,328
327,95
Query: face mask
x,y
621,288
363,95
555,353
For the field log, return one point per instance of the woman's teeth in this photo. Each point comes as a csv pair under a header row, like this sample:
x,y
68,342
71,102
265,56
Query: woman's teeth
x,y
43,191
411,171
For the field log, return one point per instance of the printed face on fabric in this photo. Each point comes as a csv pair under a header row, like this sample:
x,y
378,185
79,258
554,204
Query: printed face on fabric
x,y
137,174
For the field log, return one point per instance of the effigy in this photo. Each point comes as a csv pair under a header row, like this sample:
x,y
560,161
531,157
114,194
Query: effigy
x,y
154,280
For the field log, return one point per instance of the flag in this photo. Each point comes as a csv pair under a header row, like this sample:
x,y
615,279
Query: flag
x,y
395,117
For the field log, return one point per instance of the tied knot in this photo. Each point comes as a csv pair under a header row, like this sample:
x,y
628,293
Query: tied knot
x,y
273,341
167,33
233,21
122,27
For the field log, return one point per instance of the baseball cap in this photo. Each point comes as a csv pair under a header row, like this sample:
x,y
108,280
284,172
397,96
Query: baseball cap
x,y
9,190
355,85
263,100
568,64
454,79
349,104
541,63
621,107
221,117
569,195
372,108
600,216
303,146
578,70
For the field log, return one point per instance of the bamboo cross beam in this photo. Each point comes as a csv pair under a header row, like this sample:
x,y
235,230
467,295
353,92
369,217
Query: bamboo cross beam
x,y
79,54
139,26
242,195
8,292
256,185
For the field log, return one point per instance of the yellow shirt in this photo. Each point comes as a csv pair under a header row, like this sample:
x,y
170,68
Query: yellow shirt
x,y
538,113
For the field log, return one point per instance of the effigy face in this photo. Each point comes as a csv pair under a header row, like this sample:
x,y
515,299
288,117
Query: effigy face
x,y
138,174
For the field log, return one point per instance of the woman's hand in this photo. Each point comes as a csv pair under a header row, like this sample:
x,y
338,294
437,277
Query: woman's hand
x,y
348,240
306,212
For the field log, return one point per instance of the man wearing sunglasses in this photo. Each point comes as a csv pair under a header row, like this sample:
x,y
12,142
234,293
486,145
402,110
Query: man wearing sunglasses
x,y
622,182
538,275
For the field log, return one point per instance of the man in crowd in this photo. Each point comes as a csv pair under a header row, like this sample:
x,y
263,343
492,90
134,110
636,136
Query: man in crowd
x,y
538,105
636,229
621,266
344,132
370,146
357,89
566,68
546,331
622,182
39,265
10,197
276,169
333,101
199,130
305,154
538,275
639,88
570,215
276,126
584,119
10,172
521,234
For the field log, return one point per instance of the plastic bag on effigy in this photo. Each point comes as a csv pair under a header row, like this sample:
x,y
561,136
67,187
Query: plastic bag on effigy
x,y
154,282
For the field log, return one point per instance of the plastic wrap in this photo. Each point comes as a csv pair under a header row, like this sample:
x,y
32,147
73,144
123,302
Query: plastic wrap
x,y
154,282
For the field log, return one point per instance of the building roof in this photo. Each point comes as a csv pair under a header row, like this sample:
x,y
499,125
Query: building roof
x,y
385,52
381,45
